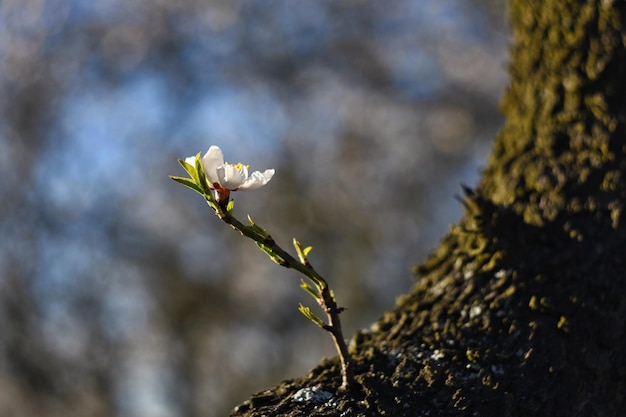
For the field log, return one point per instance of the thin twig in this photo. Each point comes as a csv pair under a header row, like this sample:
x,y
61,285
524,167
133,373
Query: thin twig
x,y
326,300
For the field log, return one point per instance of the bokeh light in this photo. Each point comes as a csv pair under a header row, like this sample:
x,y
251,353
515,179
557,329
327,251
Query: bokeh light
x,y
120,292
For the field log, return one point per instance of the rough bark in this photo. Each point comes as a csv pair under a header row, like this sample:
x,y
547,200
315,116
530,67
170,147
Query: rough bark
x,y
521,310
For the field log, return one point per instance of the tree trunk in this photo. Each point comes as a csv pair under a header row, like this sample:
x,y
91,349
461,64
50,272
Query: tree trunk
x,y
521,310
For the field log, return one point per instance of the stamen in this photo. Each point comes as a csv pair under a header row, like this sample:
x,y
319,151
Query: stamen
x,y
239,166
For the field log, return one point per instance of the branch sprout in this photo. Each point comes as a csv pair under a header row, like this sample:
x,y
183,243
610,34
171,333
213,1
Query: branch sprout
x,y
214,179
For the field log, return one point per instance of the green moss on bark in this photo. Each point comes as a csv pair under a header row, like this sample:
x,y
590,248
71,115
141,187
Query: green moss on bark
x,y
564,109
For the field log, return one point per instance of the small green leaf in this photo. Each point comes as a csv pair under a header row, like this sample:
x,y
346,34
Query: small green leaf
x,y
302,253
192,170
270,252
306,287
257,229
307,250
306,311
188,182
202,176
230,206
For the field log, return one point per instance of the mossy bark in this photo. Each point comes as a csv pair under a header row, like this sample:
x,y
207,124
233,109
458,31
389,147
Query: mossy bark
x,y
521,311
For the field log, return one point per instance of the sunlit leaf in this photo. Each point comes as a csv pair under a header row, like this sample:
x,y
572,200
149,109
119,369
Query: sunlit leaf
x,y
230,206
188,182
306,287
306,311
202,176
256,228
270,252
192,170
301,252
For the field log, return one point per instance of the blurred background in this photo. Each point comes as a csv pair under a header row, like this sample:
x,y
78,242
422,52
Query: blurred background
x,y
121,294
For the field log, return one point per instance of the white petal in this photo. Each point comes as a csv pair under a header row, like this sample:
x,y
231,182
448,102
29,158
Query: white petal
x,y
191,160
230,177
212,159
257,180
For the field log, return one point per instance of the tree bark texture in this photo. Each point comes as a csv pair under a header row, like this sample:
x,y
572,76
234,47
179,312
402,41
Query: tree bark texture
x,y
521,311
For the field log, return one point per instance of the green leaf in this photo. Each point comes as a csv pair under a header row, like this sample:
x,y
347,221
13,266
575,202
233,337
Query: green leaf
x,y
306,287
230,206
191,169
270,252
202,176
302,253
188,182
306,311
257,229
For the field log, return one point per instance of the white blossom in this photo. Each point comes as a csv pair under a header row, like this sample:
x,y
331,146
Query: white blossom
x,y
224,177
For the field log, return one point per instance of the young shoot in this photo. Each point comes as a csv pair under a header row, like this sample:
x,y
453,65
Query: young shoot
x,y
214,179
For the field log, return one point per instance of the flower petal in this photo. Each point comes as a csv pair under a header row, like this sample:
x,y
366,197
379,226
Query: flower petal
x,y
211,161
257,180
230,177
